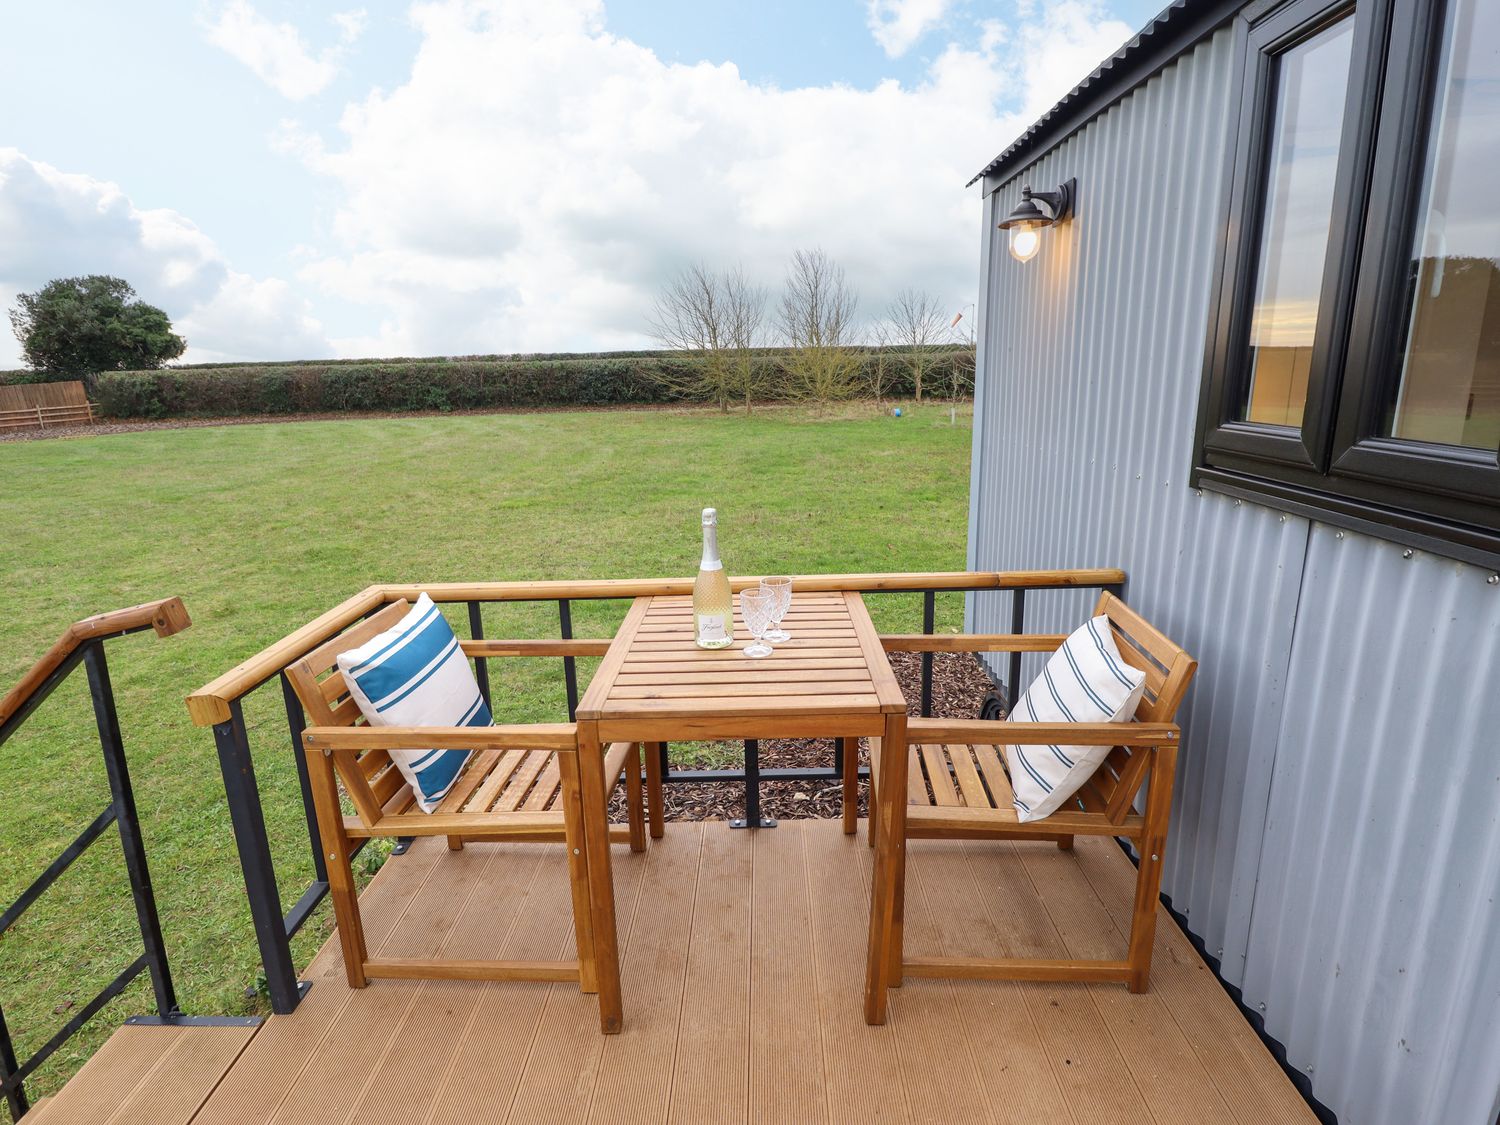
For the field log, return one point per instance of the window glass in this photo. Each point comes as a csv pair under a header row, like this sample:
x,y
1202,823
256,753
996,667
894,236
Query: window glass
x,y
1449,390
1310,83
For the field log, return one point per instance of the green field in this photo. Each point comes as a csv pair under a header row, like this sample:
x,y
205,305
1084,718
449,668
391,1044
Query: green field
x,y
260,527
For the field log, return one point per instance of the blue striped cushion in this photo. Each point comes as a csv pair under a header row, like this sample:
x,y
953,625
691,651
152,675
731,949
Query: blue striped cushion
x,y
415,675
1085,681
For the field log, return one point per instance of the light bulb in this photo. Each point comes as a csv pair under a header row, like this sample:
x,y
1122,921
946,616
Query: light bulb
x,y
1025,241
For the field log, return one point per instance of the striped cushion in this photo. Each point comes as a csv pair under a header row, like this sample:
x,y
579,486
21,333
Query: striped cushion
x,y
415,675
1085,681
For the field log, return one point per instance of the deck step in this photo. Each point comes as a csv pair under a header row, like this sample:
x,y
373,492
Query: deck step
x,y
158,1074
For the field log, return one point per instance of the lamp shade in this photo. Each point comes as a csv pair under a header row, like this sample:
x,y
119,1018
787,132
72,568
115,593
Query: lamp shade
x,y
1026,214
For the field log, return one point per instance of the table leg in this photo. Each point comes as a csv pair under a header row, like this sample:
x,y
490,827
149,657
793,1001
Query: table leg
x,y
888,887
656,753
600,876
849,760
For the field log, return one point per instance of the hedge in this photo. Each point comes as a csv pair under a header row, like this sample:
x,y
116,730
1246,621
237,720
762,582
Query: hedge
x,y
447,384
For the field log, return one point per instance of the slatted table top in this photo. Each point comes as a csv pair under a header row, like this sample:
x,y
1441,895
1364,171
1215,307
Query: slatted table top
x,y
834,665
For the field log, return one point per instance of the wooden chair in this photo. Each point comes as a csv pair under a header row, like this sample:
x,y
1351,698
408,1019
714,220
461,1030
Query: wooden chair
x,y
523,783
951,783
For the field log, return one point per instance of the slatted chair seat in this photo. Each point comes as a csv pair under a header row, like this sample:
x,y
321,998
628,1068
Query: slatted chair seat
x,y
959,788
521,783
956,785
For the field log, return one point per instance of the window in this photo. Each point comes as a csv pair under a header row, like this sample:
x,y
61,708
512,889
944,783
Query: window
x,y
1354,366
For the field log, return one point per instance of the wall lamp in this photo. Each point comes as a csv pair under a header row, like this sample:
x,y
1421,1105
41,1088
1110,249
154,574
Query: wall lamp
x,y
1025,223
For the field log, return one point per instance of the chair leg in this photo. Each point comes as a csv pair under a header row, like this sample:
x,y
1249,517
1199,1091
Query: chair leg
x,y
874,815
578,873
455,843
1065,843
1148,874
337,857
657,810
850,748
634,801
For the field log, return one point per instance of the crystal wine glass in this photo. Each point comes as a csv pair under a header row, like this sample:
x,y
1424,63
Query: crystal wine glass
x,y
756,607
782,589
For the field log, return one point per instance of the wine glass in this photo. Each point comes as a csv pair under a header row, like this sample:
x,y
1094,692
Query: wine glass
x,y
756,607
782,589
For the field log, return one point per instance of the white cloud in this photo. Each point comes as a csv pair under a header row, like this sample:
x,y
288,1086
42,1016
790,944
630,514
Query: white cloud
x,y
58,224
351,24
276,52
536,178
898,24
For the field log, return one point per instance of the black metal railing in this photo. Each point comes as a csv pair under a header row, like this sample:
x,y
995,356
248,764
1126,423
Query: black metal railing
x,y
85,644
274,928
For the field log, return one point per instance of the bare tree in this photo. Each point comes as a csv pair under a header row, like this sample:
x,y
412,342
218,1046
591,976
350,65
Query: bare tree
x,y
962,363
719,316
880,359
745,307
917,321
690,316
816,319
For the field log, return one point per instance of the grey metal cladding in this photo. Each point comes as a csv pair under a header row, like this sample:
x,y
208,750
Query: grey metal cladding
x,y
1337,824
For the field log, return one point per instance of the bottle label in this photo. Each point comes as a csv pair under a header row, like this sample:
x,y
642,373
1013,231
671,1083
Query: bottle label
x,y
711,627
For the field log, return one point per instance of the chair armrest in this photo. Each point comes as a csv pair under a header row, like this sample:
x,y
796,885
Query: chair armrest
x,y
530,736
992,732
972,642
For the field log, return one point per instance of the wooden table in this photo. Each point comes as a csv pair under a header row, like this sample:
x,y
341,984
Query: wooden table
x,y
831,680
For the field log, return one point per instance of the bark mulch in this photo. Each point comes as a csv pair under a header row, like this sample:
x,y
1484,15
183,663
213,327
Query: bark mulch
x,y
959,685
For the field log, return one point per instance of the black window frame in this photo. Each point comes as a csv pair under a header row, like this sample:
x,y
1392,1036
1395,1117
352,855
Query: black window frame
x,y
1338,466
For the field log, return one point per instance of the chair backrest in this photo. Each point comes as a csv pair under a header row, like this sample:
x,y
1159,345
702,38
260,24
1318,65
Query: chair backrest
x,y
1169,669
370,778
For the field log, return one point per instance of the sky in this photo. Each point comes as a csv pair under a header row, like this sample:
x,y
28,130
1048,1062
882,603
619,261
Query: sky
x,y
453,177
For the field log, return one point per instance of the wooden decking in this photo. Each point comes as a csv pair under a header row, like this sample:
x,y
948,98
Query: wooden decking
x,y
743,976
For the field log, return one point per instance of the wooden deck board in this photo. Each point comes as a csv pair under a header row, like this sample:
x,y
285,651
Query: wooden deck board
x,y
714,1024
158,1074
743,962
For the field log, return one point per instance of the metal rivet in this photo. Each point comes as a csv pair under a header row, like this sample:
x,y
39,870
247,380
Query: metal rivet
x,y
1309,1070
1281,519
1407,554
1493,580
575,851
1220,953
1236,503
1154,858
1262,1005
1338,534
1137,476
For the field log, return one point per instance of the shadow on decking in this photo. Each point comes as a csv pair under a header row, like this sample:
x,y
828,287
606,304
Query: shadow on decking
x,y
743,966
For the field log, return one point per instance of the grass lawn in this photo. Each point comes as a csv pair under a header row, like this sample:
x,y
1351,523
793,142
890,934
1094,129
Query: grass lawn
x,y
261,527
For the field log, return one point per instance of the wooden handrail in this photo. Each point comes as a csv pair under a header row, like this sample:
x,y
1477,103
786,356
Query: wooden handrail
x,y
657,587
210,704
166,616
972,642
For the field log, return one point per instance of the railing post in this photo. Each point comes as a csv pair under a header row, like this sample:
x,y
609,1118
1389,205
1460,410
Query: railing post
x,y
929,612
753,819
128,822
1017,626
248,822
481,665
295,725
15,1094
570,666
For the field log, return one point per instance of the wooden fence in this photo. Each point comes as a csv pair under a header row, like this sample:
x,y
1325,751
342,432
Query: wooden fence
x,y
31,406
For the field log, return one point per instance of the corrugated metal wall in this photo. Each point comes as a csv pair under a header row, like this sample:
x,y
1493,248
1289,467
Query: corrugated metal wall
x,y
1337,825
